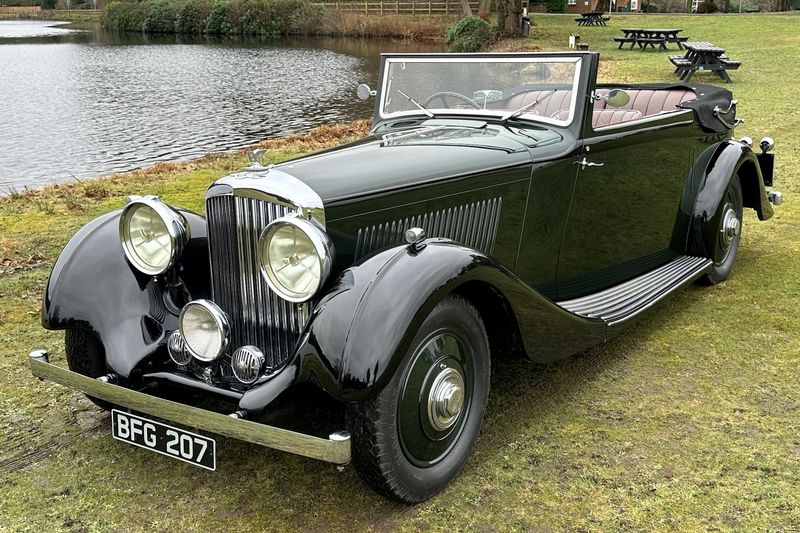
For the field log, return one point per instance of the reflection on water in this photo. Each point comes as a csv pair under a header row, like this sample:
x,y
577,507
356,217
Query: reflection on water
x,y
84,103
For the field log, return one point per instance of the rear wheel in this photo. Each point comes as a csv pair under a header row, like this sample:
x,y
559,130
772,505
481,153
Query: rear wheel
x,y
414,437
727,224
86,356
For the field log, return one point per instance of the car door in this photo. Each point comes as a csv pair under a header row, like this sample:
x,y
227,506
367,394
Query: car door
x,y
624,207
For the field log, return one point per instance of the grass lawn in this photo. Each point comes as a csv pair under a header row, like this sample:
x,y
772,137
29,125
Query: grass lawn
x,y
690,421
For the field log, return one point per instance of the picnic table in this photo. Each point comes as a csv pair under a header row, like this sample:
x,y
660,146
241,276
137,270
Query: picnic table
x,y
703,56
643,37
594,18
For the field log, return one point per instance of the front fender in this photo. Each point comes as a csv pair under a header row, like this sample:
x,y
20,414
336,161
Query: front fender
x,y
728,160
362,329
92,286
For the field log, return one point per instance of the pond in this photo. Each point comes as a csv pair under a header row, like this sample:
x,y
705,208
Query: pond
x,y
81,102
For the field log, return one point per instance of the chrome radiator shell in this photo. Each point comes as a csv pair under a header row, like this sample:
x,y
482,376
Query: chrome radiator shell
x,y
238,208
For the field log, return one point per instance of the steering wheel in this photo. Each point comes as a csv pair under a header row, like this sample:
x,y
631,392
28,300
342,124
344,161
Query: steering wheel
x,y
443,95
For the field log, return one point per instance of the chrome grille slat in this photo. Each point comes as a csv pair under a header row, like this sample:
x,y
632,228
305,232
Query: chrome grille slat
x,y
259,317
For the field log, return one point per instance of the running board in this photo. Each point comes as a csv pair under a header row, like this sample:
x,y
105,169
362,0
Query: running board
x,y
625,301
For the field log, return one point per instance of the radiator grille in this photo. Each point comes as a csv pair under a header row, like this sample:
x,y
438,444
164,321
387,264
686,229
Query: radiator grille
x,y
473,225
259,317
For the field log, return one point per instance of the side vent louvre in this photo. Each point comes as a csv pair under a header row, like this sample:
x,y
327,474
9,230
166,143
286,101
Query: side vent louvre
x,y
473,225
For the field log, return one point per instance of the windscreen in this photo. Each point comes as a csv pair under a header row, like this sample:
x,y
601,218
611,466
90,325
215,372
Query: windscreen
x,y
540,89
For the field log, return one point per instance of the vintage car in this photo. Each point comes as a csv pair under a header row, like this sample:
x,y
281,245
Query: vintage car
x,y
502,204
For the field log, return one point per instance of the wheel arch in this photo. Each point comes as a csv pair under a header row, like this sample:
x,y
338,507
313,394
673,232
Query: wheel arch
x,y
92,287
713,172
497,315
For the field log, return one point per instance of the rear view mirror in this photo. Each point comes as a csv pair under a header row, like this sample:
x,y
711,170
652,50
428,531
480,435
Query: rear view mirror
x,y
364,92
617,98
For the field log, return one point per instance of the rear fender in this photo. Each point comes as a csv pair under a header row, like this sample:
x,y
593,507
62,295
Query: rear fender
x,y
93,287
729,160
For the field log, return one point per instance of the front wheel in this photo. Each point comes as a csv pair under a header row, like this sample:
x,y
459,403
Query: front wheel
x,y
86,355
414,437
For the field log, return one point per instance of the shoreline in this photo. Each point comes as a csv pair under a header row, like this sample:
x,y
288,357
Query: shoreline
x,y
317,138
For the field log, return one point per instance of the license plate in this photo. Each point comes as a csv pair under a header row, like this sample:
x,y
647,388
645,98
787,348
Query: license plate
x,y
166,440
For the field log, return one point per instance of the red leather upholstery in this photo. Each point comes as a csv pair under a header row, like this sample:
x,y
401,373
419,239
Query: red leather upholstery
x,y
643,103
607,117
650,101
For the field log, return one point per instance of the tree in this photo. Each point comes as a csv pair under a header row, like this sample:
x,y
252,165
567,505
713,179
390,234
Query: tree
x,y
465,7
508,13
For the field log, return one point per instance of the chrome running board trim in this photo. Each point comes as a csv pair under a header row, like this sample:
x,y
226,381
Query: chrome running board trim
x,y
623,302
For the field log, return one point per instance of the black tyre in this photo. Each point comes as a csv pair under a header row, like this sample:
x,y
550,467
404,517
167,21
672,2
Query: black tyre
x,y
85,355
414,437
727,228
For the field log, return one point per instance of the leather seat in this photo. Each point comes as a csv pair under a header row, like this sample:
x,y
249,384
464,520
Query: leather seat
x,y
643,103
650,101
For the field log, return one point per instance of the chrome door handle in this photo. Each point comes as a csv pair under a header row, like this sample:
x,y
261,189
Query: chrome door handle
x,y
586,163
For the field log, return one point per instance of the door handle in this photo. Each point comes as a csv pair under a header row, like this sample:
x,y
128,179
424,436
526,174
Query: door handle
x,y
586,163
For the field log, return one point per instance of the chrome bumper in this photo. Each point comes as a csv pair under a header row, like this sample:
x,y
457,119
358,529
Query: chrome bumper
x,y
335,449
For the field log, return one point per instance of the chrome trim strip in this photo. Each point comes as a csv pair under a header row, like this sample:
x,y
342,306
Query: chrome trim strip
x,y
627,300
335,449
473,225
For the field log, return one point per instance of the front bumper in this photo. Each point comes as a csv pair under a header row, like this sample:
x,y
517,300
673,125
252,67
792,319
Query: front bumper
x,y
335,449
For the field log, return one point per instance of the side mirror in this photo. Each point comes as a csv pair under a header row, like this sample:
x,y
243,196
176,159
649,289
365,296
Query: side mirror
x,y
364,92
617,98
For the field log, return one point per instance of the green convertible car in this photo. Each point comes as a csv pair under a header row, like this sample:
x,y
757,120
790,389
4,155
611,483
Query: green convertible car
x,y
502,203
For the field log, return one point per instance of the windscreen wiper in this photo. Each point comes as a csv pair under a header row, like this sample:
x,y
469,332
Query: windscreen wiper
x,y
518,112
430,115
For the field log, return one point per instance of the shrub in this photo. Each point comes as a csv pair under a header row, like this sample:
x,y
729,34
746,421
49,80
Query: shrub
x,y
191,16
258,19
708,6
125,16
556,6
470,34
271,18
161,17
217,21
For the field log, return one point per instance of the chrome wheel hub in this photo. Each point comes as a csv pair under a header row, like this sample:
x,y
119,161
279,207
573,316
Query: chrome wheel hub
x,y
446,399
731,227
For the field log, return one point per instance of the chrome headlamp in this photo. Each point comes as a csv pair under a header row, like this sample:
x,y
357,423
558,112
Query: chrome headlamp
x,y
295,256
205,329
153,234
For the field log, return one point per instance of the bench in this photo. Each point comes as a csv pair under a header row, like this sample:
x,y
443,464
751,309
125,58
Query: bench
x,y
624,40
730,63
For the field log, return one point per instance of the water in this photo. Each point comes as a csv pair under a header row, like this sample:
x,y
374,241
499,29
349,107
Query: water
x,y
84,102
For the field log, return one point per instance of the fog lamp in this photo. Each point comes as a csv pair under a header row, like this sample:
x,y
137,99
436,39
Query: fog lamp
x,y
205,329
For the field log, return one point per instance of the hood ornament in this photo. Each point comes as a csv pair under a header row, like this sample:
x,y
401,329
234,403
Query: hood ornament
x,y
255,160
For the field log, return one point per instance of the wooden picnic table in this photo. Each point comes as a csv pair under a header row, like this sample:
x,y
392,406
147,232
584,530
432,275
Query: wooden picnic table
x,y
594,18
702,55
642,37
